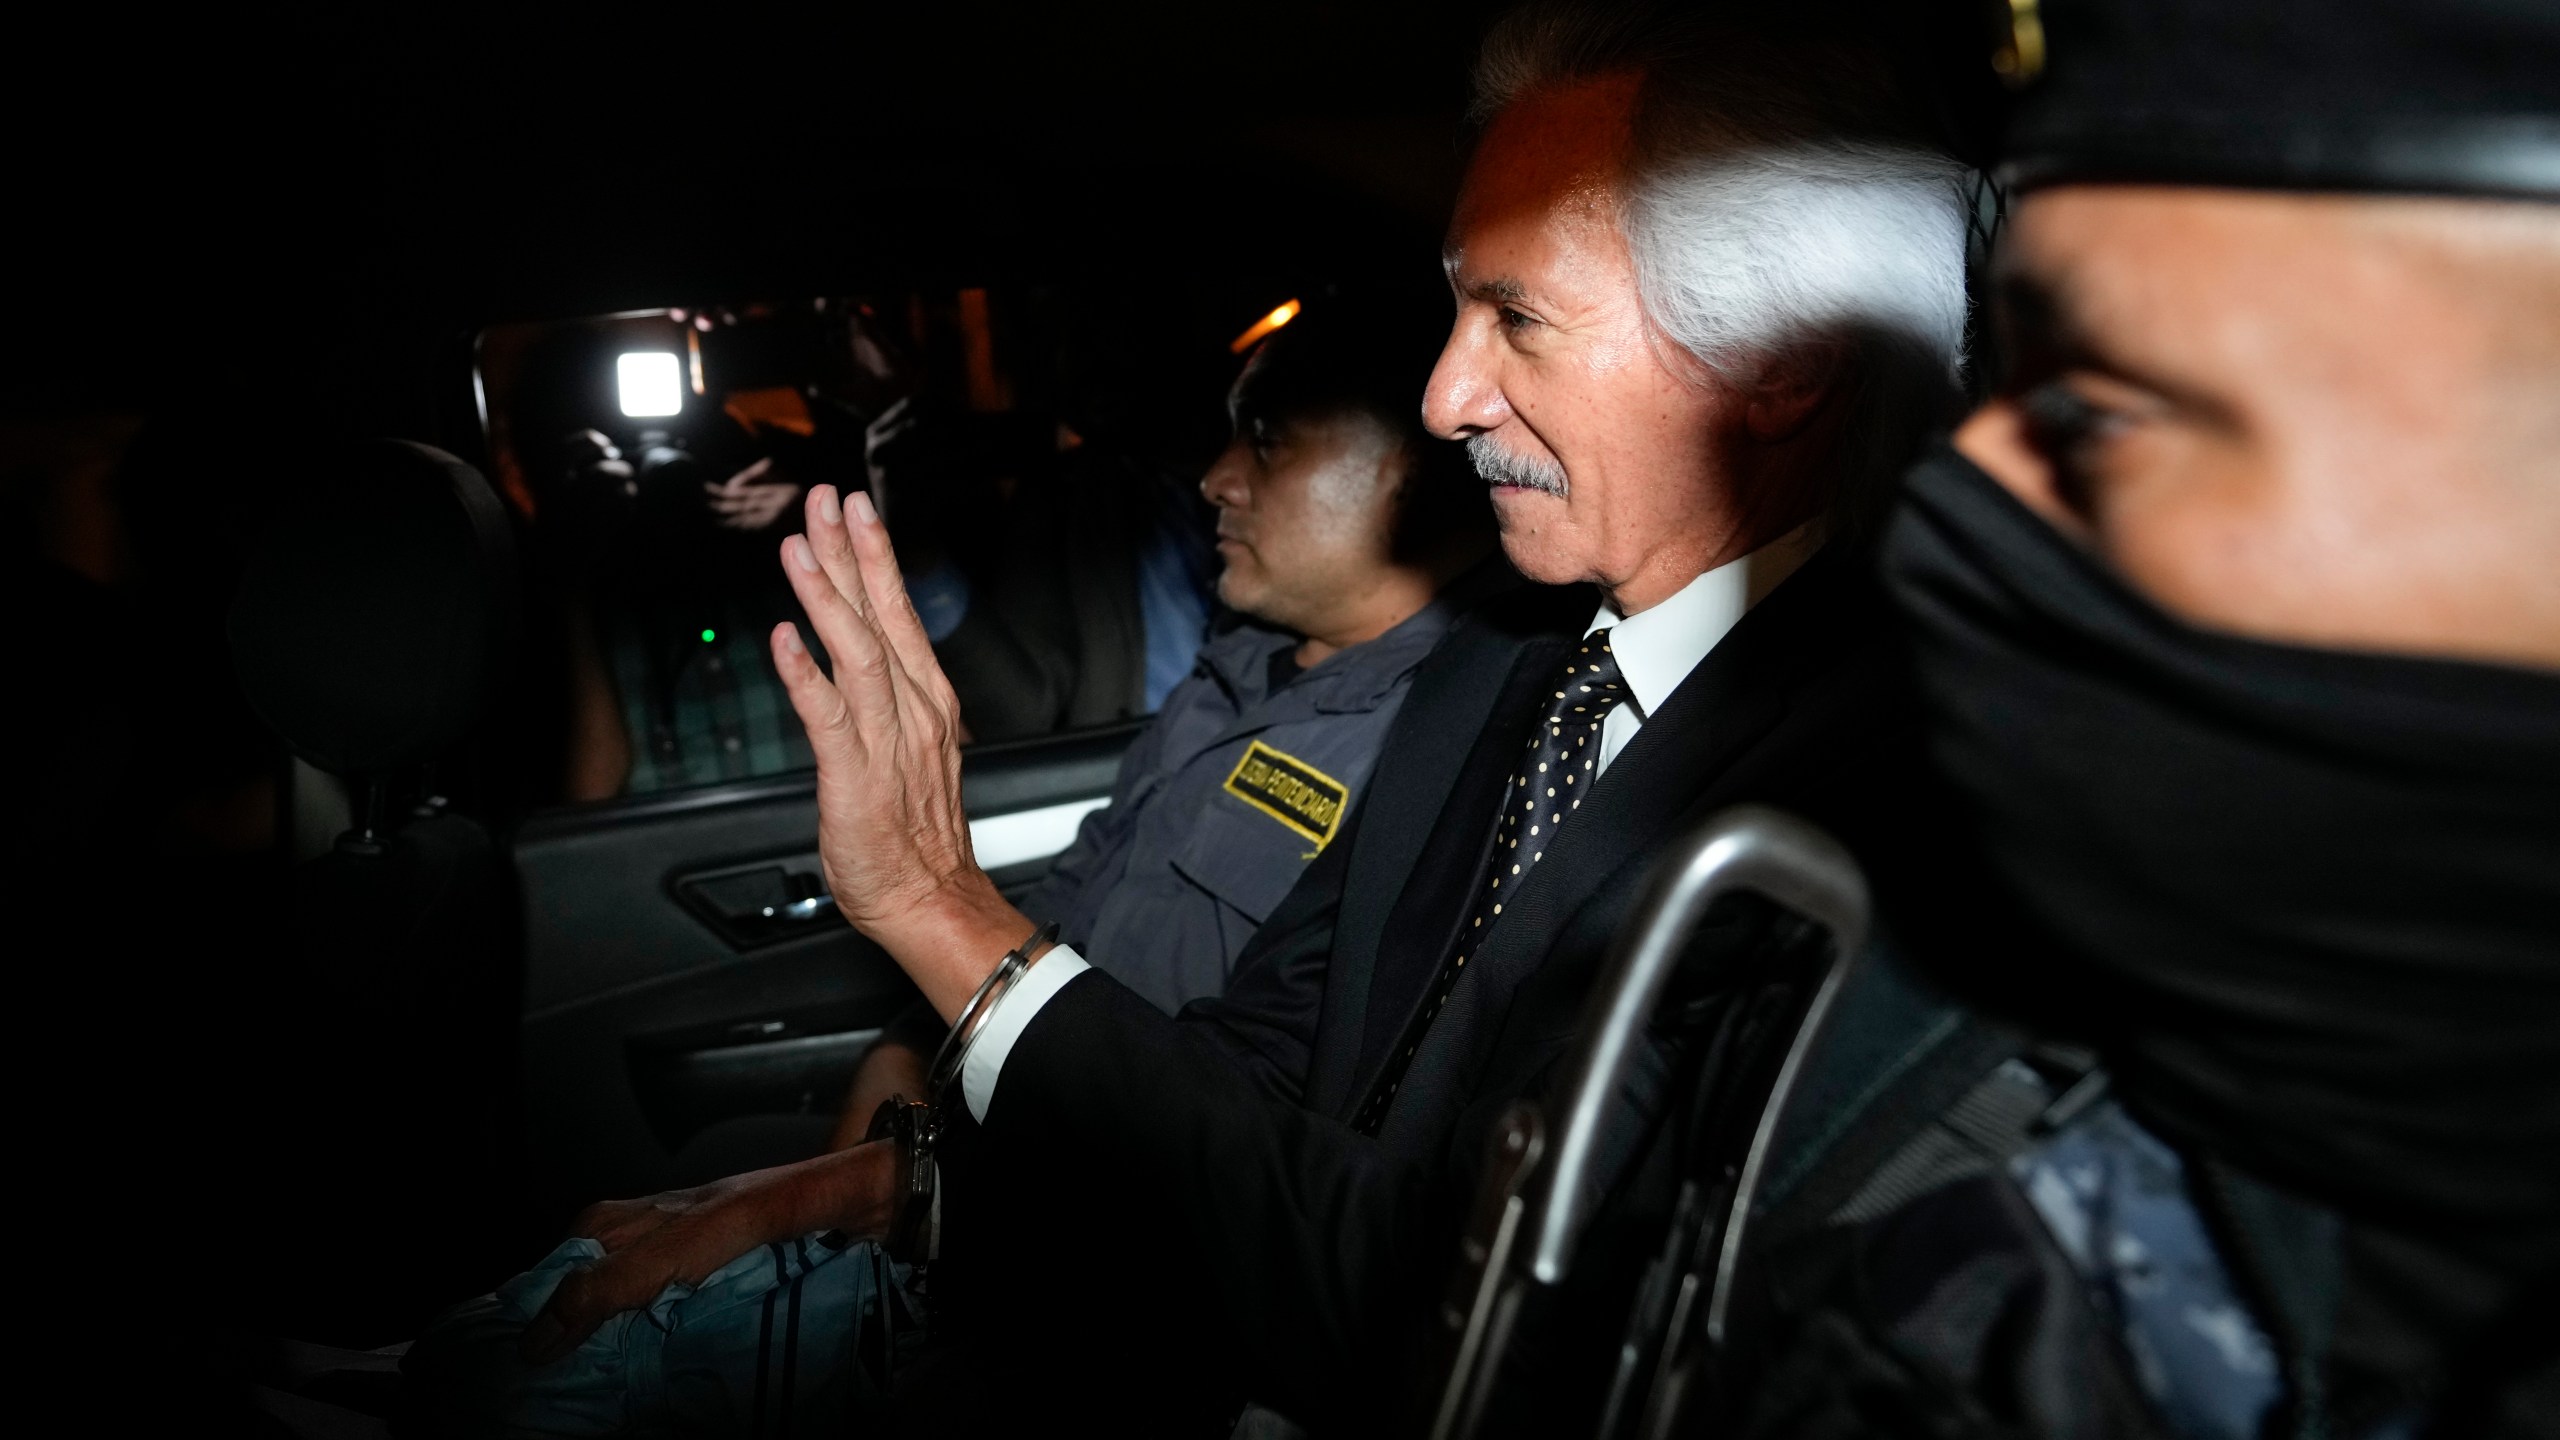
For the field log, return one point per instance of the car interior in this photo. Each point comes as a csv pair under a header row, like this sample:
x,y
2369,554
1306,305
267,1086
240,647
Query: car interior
x,y
439,842
480,824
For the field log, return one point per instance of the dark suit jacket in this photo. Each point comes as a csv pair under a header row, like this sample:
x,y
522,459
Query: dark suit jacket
x,y
1257,1245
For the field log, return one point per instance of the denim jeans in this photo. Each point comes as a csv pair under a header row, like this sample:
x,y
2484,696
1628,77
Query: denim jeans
x,y
791,1339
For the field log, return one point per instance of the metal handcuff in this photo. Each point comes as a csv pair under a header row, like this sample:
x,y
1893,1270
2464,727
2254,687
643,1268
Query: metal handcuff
x,y
915,1127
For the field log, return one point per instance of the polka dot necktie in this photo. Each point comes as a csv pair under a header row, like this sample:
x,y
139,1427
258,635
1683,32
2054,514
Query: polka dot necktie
x,y
1564,758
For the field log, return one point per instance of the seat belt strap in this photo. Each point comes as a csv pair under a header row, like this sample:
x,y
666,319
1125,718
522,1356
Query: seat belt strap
x,y
2290,1255
1864,1149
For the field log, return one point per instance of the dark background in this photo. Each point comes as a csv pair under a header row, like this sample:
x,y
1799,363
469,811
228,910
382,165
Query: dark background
x,y
310,213
300,226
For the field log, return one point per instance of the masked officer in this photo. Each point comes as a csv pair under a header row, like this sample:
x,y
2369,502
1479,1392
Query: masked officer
x,y
1343,531
2234,612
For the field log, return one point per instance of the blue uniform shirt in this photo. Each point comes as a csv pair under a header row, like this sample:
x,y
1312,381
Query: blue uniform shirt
x,y
1221,803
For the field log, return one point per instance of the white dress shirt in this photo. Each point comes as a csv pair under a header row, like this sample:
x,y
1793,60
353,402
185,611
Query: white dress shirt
x,y
1655,649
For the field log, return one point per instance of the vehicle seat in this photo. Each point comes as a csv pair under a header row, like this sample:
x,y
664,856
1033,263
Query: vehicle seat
x,y
371,632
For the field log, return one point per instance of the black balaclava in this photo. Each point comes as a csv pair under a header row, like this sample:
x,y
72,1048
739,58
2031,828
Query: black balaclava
x,y
2309,900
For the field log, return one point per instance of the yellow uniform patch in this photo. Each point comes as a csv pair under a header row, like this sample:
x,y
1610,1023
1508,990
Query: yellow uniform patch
x,y
1290,791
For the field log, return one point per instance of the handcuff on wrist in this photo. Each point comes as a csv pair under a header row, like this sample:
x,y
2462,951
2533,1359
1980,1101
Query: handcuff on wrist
x,y
915,1127
912,1127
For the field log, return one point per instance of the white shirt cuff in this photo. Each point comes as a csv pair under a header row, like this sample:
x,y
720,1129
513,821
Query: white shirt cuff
x,y
1013,1015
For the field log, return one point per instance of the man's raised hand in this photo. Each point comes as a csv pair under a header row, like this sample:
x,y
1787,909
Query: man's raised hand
x,y
885,728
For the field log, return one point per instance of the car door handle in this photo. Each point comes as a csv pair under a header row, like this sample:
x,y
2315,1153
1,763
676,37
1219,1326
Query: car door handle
x,y
755,905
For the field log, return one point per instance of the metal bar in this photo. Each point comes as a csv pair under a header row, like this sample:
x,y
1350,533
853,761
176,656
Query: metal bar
x,y
1747,1190
1485,1264
1538,1194
1747,848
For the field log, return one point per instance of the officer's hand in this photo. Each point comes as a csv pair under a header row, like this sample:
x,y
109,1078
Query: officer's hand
x,y
885,728
683,1236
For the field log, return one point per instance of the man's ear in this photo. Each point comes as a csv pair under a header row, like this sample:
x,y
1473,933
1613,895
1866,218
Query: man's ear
x,y
1791,389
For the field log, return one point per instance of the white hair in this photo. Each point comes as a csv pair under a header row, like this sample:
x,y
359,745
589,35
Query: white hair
x,y
1739,253
1774,198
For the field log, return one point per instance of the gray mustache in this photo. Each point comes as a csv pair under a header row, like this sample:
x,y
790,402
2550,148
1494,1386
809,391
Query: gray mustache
x,y
1498,466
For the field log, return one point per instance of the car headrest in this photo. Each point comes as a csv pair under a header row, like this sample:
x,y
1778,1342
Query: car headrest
x,y
373,622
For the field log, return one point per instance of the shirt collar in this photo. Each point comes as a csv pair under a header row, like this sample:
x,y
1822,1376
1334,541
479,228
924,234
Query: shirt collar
x,y
1357,677
1657,648
1366,674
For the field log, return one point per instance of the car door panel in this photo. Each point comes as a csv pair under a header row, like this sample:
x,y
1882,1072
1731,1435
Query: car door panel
x,y
684,964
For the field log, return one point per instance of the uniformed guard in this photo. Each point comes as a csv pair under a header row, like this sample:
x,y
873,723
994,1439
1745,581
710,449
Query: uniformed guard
x,y
1349,540
1244,777
2212,1083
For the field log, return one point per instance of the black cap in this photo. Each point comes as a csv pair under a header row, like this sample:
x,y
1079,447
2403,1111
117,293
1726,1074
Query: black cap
x,y
2448,97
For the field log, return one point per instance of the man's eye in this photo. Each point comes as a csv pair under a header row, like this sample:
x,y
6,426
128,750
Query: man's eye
x,y
1515,321
2068,429
2062,422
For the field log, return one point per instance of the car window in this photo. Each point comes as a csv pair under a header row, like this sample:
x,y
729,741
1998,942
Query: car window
x,y
1039,489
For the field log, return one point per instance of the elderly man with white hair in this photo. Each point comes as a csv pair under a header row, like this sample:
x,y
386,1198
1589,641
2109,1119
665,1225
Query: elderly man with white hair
x,y
1709,296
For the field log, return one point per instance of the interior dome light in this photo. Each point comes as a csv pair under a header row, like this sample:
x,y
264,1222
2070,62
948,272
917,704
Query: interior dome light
x,y
652,383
